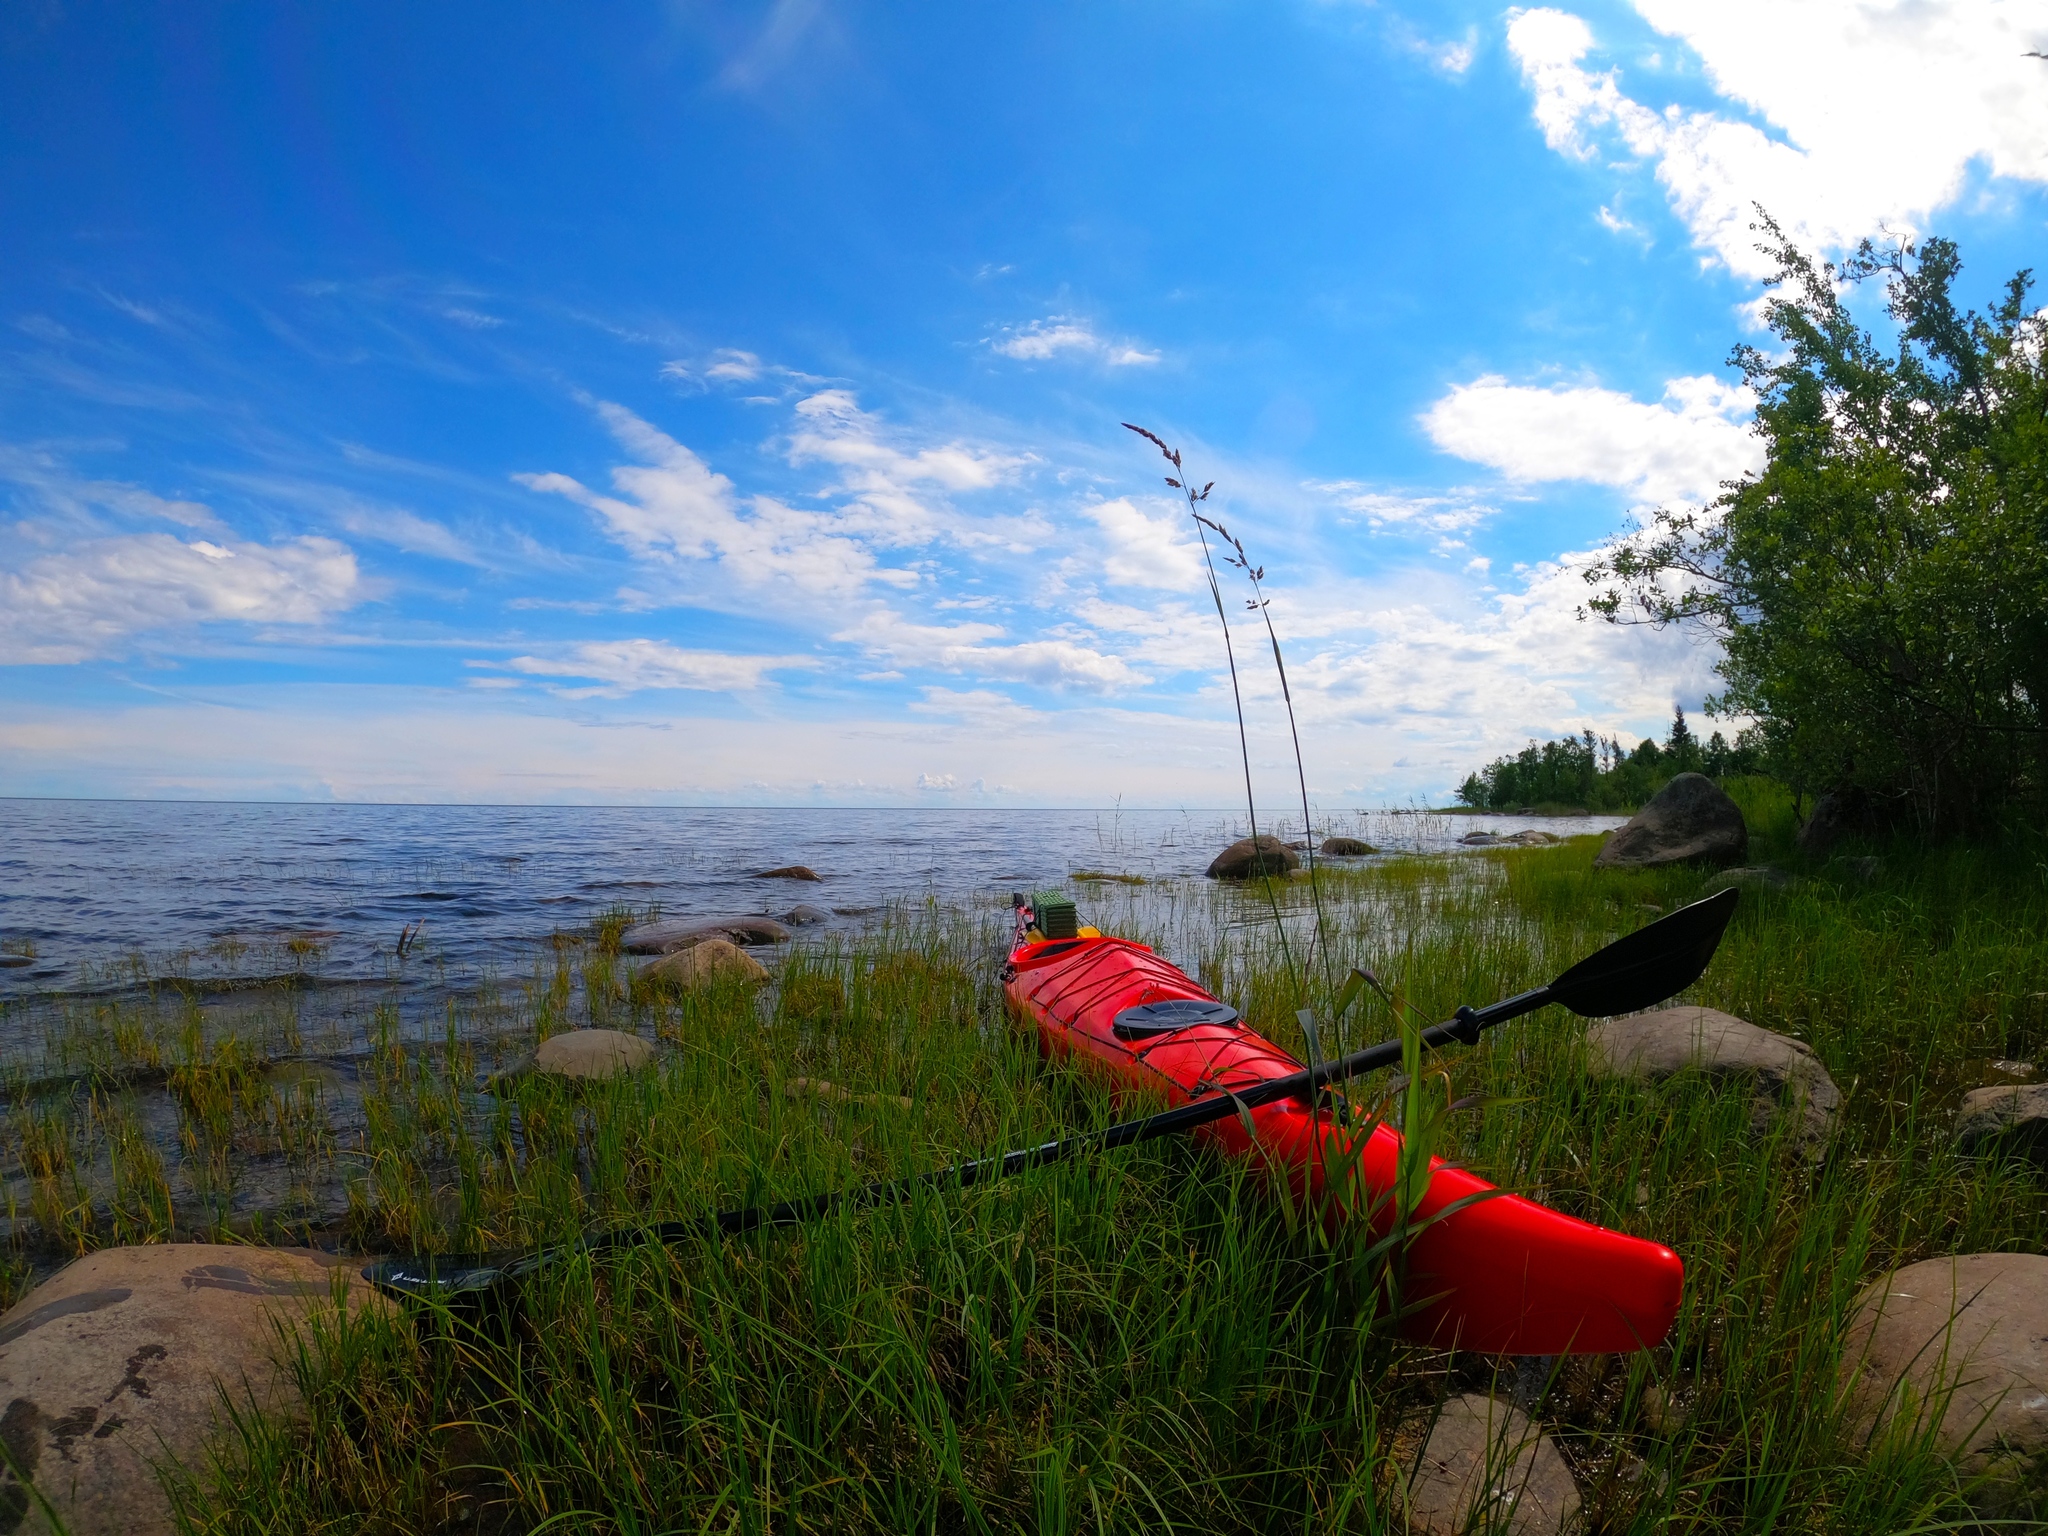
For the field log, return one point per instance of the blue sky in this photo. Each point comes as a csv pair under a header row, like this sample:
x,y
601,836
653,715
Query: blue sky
x,y
720,403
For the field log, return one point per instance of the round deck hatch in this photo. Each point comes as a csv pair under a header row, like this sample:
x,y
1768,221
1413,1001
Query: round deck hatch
x,y
1164,1017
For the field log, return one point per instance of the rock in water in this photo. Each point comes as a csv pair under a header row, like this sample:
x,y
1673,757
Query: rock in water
x,y
701,964
1486,1467
592,1053
1247,857
790,872
1961,1343
1688,820
803,914
2013,1117
1346,847
674,933
1787,1076
113,1362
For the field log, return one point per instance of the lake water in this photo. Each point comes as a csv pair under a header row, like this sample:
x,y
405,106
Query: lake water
x,y
279,924
98,896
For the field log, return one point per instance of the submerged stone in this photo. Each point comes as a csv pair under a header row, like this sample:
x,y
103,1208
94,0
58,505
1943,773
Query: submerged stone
x,y
592,1053
701,964
1248,856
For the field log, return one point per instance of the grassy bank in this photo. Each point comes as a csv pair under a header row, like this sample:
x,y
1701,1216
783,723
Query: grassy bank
x,y
1142,1341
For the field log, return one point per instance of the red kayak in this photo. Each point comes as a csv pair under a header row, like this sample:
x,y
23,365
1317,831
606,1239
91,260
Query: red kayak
x,y
1503,1275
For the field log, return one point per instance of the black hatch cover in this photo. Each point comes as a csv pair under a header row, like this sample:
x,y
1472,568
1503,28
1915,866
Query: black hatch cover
x,y
1162,1018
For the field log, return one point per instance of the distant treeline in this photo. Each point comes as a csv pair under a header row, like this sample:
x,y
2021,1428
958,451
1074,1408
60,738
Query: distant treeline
x,y
1597,773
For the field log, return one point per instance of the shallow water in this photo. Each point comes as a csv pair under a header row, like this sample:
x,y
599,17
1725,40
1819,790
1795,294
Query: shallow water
x,y
110,894
274,929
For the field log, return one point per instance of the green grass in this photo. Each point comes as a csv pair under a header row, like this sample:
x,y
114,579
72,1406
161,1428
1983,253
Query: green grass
x,y
1143,1341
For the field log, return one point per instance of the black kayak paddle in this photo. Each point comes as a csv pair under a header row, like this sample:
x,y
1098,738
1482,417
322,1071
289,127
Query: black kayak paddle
x,y
1635,971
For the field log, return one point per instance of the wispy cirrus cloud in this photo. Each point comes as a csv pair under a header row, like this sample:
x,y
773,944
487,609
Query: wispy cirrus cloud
x,y
1064,336
615,668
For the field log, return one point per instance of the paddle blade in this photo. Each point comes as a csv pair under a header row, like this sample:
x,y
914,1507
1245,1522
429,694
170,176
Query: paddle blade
x,y
1649,965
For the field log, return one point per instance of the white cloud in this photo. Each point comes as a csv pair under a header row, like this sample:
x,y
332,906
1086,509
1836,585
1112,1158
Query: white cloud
x,y
1455,511
408,531
982,708
64,493
896,492
1881,107
628,666
1142,551
474,319
1681,447
674,509
1049,663
93,600
1062,336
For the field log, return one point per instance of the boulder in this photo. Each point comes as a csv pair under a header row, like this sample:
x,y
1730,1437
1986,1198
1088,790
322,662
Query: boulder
x,y
790,872
674,933
1346,847
1247,857
1786,1075
1479,840
803,915
1836,814
592,1053
2009,1116
1534,839
701,964
1689,820
116,1361
1485,1466
1958,1345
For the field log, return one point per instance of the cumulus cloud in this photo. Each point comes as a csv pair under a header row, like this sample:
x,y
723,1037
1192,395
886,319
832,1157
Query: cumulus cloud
x,y
95,599
1059,336
1683,446
619,667
1480,678
1831,78
1144,551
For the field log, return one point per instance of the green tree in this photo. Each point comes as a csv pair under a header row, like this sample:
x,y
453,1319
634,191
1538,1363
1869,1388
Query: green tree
x,y
1880,587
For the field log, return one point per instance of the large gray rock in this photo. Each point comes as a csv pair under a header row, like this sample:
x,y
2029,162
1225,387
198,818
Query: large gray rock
x,y
1787,1076
1689,820
1486,1467
1960,1346
803,914
592,1053
1346,847
701,964
116,1361
1247,857
674,933
2011,1116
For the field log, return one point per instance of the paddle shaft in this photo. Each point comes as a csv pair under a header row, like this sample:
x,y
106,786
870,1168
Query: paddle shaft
x,y
1464,1029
